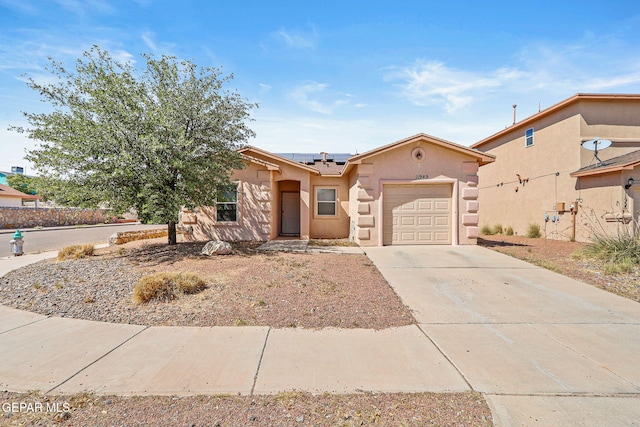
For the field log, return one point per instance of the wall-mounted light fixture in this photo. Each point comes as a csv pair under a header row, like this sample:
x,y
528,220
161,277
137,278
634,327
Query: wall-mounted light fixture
x,y
630,182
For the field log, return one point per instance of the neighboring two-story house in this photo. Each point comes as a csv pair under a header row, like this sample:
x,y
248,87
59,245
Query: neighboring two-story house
x,y
544,175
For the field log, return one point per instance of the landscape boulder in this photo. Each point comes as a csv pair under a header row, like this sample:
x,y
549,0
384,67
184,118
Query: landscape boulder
x,y
216,247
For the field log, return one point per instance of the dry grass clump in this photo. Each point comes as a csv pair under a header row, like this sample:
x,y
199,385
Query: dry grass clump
x,y
166,286
533,231
75,252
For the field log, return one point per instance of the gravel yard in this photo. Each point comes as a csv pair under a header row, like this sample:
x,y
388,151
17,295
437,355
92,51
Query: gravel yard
x,y
284,409
248,287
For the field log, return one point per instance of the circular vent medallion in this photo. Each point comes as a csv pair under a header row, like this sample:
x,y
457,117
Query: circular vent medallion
x,y
418,154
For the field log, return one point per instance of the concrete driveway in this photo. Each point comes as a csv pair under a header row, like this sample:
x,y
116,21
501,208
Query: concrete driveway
x,y
543,348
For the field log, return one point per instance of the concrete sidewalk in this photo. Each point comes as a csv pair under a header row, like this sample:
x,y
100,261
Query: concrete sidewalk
x,y
61,355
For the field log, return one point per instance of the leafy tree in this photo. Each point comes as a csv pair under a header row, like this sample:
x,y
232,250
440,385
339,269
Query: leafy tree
x,y
22,183
153,140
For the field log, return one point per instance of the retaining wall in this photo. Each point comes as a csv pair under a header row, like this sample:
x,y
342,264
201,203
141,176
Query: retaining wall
x,y
51,217
129,236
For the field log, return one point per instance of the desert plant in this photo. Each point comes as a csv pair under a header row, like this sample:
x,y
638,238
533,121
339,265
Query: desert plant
x,y
75,252
486,230
533,231
622,247
166,286
508,231
497,229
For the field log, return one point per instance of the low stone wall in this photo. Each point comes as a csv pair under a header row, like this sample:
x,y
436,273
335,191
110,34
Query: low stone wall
x,y
51,217
129,236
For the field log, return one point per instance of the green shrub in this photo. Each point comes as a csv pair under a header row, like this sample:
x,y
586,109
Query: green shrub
x,y
486,230
508,231
166,286
533,231
75,252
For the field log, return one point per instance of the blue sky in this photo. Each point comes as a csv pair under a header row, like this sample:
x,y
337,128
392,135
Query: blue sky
x,y
342,76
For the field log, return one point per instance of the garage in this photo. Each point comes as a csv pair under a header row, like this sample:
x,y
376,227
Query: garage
x,y
417,214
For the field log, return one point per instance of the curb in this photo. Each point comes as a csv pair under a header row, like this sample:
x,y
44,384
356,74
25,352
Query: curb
x,y
69,227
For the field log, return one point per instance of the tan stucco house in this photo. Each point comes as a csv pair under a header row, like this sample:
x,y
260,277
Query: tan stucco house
x,y
420,190
543,173
12,198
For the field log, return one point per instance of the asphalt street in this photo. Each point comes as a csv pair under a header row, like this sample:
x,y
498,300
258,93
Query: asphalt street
x,y
40,240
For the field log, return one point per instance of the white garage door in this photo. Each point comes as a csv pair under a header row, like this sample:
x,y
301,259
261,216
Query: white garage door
x,y
417,214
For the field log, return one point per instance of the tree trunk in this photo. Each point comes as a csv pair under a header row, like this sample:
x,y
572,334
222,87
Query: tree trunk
x,y
171,233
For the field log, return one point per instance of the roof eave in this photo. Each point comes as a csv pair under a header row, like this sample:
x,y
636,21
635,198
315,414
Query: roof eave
x,y
603,170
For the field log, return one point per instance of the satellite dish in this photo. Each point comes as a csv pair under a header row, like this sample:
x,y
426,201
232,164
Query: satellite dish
x,y
596,144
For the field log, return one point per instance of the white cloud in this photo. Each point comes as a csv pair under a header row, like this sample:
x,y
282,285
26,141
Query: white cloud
x,y
432,82
314,96
147,39
296,40
264,88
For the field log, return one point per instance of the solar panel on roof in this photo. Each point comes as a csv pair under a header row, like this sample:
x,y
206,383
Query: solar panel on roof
x,y
311,158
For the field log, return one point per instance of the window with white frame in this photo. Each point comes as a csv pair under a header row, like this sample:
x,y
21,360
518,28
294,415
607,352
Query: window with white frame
x,y
227,203
326,201
528,137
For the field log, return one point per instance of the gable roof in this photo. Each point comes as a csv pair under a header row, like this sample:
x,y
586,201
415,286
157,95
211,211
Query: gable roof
x,y
482,158
6,191
554,108
624,162
338,167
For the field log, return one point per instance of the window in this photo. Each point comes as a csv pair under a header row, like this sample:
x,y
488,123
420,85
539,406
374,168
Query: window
x,y
528,137
326,202
227,204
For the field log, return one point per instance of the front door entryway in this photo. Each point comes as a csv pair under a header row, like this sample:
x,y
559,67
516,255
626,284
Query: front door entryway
x,y
290,213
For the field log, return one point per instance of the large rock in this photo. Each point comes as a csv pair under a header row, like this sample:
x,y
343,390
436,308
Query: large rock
x,y
216,247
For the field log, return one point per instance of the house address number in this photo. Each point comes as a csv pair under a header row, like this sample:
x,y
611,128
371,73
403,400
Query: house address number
x,y
422,176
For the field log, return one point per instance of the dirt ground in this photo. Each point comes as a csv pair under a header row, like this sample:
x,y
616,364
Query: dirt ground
x,y
561,256
284,409
246,288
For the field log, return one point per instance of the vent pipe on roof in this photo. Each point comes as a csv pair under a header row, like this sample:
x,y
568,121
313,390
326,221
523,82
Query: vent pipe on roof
x,y
324,157
514,113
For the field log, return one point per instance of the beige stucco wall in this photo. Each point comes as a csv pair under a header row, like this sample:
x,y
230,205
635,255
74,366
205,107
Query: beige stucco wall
x,y
254,211
10,202
440,165
330,227
556,153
